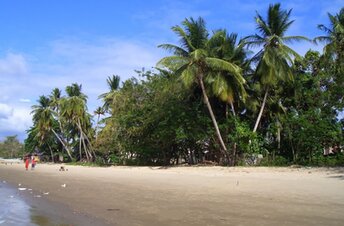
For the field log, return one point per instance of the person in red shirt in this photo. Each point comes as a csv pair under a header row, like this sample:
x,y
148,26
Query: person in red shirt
x,y
27,162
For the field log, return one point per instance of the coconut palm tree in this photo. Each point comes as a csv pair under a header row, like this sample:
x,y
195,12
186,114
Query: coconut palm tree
x,y
74,111
108,98
334,37
224,85
44,120
193,62
333,57
55,98
99,111
275,58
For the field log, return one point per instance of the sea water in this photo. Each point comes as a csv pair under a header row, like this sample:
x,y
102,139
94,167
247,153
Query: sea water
x,y
13,209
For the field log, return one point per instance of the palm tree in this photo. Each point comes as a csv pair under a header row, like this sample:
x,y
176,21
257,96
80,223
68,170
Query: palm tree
x,y
275,58
224,85
99,111
55,98
192,61
44,120
74,110
333,57
108,98
335,36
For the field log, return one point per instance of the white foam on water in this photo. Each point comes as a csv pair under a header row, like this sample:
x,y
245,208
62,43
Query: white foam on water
x,y
13,210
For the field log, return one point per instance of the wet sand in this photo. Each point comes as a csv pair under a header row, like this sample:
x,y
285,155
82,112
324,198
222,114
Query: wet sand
x,y
190,195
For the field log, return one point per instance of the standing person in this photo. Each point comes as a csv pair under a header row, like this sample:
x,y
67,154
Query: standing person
x,y
33,162
27,162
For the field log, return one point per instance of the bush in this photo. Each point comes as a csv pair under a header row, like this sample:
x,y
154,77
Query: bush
x,y
329,160
279,161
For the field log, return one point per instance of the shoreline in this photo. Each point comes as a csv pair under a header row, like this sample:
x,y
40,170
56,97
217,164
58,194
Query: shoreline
x,y
46,212
188,195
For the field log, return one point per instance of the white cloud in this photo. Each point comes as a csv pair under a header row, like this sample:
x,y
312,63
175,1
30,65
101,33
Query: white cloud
x,y
62,63
13,64
90,64
5,111
14,120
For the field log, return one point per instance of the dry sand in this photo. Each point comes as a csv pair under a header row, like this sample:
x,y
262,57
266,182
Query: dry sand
x,y
156,196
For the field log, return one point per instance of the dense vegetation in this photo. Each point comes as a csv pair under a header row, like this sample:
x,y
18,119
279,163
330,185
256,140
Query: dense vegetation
x,y
11,148
212,100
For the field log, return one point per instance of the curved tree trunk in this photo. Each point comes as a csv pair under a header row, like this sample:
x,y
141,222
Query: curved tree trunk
x,y
51,153
261,111
64,145
206,100
88,151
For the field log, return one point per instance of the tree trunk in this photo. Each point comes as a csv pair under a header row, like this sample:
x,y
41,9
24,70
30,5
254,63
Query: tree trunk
x,y
84,136
64,145
51,153
234,154
261,111
232,108
97,125
293,151
279,138
82,141
80,153
206,100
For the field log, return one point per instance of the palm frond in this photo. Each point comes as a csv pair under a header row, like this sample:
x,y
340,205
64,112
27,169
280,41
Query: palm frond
x,y
172,62
174,49
295,38
218,64
188,76
184,39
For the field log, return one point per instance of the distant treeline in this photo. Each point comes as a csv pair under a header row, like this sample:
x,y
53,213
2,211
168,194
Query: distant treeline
x,y
11,148
211,101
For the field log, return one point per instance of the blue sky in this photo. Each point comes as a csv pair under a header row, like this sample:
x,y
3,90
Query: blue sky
x,y
48,44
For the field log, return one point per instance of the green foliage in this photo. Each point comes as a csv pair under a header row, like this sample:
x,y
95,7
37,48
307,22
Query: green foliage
x,y
248,142
278,161
329,160
11,148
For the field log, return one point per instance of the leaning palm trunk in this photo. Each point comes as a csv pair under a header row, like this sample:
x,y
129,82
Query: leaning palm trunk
x,y
51,153
80,147
232,108
206,100
89,152
261,111
64,144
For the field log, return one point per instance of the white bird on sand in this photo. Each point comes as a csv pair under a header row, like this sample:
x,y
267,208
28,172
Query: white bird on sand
x,y
45,193
63,185
22,189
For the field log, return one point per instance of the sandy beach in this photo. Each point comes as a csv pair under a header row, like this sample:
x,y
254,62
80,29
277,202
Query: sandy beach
x,y
188,195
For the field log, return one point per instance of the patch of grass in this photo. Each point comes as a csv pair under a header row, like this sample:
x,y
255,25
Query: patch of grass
x,y
90,164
